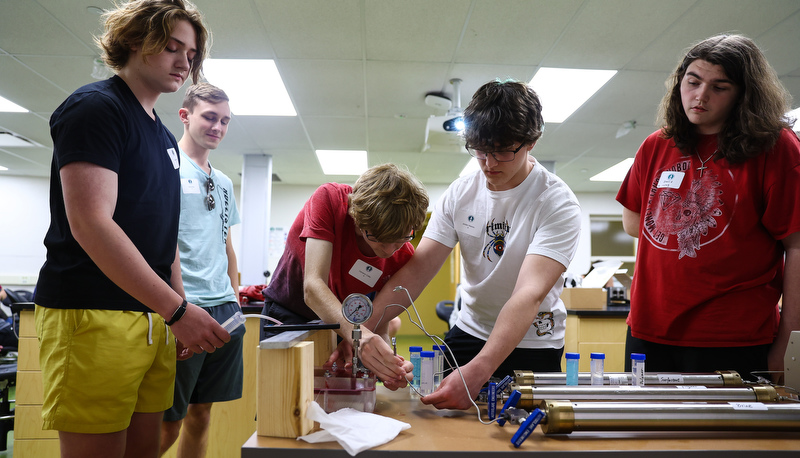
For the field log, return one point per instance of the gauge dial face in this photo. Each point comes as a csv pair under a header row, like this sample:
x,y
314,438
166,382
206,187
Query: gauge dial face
x,y
357,308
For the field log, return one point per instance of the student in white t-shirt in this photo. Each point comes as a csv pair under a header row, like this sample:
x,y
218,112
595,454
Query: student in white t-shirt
x,y
518,227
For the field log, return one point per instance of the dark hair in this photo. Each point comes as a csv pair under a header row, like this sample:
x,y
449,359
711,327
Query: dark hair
x,y
149,24
502,113
757,117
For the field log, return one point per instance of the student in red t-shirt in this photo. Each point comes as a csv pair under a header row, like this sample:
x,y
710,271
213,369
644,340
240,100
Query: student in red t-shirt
x,y
712,197
348,240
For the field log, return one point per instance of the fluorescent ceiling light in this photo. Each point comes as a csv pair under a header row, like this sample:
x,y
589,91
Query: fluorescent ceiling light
x,y
614,173
3,169
342,162
12,140
471,166
254,86
563,90
11,107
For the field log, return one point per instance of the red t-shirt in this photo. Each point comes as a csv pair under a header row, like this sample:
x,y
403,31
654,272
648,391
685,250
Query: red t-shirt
x,y
324,216
709,262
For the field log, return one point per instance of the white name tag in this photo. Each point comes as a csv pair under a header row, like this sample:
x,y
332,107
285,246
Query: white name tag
x,y
366,273
470,223
670,179
190,186
173,155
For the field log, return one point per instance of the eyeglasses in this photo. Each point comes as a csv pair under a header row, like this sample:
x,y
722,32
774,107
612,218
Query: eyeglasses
x,y
210,203
372,238
499,156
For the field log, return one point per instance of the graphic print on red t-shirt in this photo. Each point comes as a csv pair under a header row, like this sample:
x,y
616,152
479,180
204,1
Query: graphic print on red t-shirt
x,y
684,219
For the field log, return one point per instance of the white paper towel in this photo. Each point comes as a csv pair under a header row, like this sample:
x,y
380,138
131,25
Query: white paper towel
x,y
354,430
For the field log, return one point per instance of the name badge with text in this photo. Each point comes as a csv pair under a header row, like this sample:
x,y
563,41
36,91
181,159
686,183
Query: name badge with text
x,y
670,179
190,186
368,274
173,155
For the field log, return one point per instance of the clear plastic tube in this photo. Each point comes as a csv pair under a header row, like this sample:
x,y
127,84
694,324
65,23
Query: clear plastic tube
x,y
596,366
426,373
414,356
438,365
572,368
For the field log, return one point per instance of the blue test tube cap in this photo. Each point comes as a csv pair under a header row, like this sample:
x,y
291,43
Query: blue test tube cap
x,y
413,349
598,356
427,354
637,356
573,356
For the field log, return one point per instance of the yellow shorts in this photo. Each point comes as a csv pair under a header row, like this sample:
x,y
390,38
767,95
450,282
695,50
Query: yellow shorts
x,y
101,366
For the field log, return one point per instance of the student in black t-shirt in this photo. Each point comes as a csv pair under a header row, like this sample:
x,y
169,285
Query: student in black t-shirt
x,y
110,290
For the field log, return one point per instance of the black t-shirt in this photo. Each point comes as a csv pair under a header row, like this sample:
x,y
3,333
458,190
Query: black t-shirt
x,y
103,123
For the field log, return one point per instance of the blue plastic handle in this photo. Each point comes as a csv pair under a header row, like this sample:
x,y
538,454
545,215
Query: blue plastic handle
x,y
527,427
492,406
504,384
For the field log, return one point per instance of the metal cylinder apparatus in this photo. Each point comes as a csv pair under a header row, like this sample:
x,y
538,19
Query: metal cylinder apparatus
x,y
531,396
719,378
564,417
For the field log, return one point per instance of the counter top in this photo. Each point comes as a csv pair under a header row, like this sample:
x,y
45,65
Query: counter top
x,y
609,311
435,432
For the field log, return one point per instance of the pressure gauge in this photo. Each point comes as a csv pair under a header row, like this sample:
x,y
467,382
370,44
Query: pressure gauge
x,y
357,308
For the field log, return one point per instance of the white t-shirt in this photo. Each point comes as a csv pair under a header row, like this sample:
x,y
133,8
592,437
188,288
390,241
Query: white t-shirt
x,y
497,229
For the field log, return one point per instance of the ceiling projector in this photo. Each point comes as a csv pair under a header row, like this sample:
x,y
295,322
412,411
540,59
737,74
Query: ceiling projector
x,y
443,133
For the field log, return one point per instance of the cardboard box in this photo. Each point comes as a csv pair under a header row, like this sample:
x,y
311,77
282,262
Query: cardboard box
x,y
584,298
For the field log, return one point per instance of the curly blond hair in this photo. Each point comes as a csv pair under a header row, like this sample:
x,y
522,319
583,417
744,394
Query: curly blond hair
x,y
388,202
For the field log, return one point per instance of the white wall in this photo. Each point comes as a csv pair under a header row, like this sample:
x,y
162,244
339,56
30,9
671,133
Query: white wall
x,y
591,204
25,216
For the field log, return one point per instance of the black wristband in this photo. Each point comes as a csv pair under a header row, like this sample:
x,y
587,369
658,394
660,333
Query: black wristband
x,y
177,314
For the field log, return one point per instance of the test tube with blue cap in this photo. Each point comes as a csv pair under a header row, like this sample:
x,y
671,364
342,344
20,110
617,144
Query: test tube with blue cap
x,y
414,356
426,373
596,366
572,368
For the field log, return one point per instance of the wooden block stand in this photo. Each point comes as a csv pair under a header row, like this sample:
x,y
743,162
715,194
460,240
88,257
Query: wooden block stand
x,y
285,384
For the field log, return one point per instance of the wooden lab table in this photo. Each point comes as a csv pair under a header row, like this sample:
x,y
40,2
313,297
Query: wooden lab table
x,y
455,433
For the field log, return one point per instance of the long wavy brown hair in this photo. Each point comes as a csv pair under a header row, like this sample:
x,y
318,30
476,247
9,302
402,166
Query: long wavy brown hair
x,y
149,24
757,118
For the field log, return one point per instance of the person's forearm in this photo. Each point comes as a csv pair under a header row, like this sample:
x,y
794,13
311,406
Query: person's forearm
x,y
537,276
176,278
513,322
324,303
413,277
119,259
90,197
